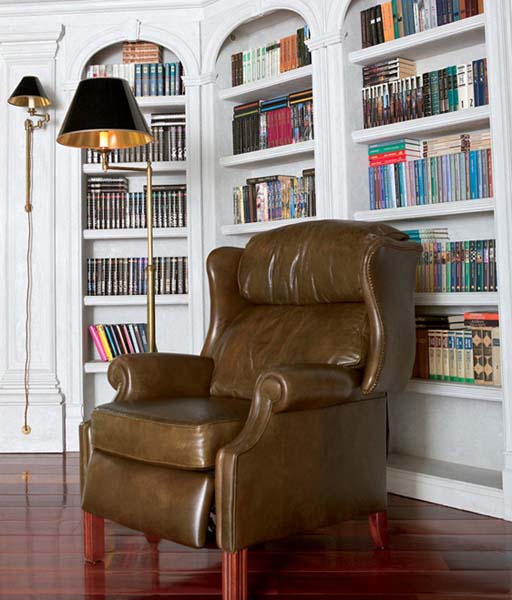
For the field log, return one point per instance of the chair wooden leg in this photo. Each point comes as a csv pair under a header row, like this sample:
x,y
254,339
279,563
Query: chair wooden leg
x,y
152,539
234,575
379,529
94,537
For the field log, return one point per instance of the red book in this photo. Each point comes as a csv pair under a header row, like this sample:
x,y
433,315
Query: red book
x,y
97,343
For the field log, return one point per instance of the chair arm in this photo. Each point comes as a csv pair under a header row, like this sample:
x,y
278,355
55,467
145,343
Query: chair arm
x,y
306,387
151,376
306,458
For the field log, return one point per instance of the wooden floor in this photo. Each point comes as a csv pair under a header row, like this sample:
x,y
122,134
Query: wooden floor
x,y
435,552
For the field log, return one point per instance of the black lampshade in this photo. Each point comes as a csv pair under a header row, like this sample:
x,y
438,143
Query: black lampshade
x,y
104,115
29,93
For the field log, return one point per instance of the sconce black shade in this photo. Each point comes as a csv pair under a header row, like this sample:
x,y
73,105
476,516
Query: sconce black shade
x,y
29,93
104,115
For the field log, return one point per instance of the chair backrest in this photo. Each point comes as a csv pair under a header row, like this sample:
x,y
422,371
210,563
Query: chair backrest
x,y
324,292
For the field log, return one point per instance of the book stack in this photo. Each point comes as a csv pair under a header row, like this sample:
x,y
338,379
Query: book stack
x,y
275,197
459,348
389,70
110,207
113,340
461,266
453,168
283,55
127,276
142,52
398,18
145,79
275,122
453,88
169,131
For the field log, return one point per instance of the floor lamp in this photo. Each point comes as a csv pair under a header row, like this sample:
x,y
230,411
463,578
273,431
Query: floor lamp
x,y
29,94
104,115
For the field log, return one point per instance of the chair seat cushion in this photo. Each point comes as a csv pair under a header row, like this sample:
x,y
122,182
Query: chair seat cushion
x,y
179,432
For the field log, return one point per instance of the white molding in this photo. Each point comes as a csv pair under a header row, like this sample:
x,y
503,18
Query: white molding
x,y
427,211
135,234
279,153
448,492
159,168
96,367
325,40
165,300
422,44
199,80
251,228
472,118
284,83
454,390
457,299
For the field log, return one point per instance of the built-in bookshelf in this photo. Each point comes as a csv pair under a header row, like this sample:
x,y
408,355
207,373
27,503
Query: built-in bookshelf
x,y
173,313
288,160
438,451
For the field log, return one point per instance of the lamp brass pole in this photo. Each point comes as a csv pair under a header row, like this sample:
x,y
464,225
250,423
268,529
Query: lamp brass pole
x,y
29,94
148,169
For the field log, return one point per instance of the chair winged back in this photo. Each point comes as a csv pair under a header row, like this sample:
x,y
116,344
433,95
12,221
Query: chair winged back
x,y
321,292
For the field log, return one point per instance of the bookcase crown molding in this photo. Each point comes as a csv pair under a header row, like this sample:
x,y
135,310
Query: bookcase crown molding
x,y
323,41
23,46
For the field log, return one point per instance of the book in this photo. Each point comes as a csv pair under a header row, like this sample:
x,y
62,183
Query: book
x,y
111,340
392,20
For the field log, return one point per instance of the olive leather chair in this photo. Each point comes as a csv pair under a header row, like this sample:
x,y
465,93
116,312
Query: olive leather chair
x,y
279,426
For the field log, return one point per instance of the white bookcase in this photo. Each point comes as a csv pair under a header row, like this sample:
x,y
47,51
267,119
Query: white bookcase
x,y
173,316
446,440
233,170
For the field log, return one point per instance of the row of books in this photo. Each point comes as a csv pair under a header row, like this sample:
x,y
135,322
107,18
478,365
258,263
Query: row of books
x,y
437,92
398,18
449,178
275,122
459,348
460,266
389,70
113,340
286,54
169,131
142,52
127,276
127,210
275,197
155,79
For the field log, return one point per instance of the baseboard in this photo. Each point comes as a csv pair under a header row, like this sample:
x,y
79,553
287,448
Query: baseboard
x,y
448,492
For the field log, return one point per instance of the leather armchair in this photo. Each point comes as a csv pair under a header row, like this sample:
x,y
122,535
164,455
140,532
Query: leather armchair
x,y
280,425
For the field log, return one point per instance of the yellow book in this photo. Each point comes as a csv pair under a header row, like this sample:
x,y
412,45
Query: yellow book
x,y
104,341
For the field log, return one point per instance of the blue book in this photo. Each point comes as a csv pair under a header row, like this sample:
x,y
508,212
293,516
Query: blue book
x,y
371,181
382,188
421,196
138,80
453,253
455,10
160,88
480,172
473,175
406,4
179,83
172,80
145,80
153,84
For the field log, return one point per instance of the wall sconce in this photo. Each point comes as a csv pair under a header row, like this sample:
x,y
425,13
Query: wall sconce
x,y
29,94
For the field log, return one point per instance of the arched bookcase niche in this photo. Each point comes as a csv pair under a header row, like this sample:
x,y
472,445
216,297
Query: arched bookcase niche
x,y
283,160
174,319
439,449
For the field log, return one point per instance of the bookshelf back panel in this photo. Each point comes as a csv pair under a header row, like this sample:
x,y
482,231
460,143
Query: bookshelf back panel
x,y
463,431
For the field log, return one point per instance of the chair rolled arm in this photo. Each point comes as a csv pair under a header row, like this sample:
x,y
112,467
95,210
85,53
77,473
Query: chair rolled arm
x,y
151,376
307,386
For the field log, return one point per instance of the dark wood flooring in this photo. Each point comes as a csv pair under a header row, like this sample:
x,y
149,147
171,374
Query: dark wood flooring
x,y
435,552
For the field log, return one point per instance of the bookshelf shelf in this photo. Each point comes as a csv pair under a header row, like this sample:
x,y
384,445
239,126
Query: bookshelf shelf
x,y
134,234
427,211
278,154
155,102
470,119
436,41
170,299
455,390
249,228
96,366
457,299
452,484
282,85
159,168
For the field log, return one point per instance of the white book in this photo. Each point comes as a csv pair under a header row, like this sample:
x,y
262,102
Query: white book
x,y
469,85
462,83
433,13
427,14
254,65
416,17
263,62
